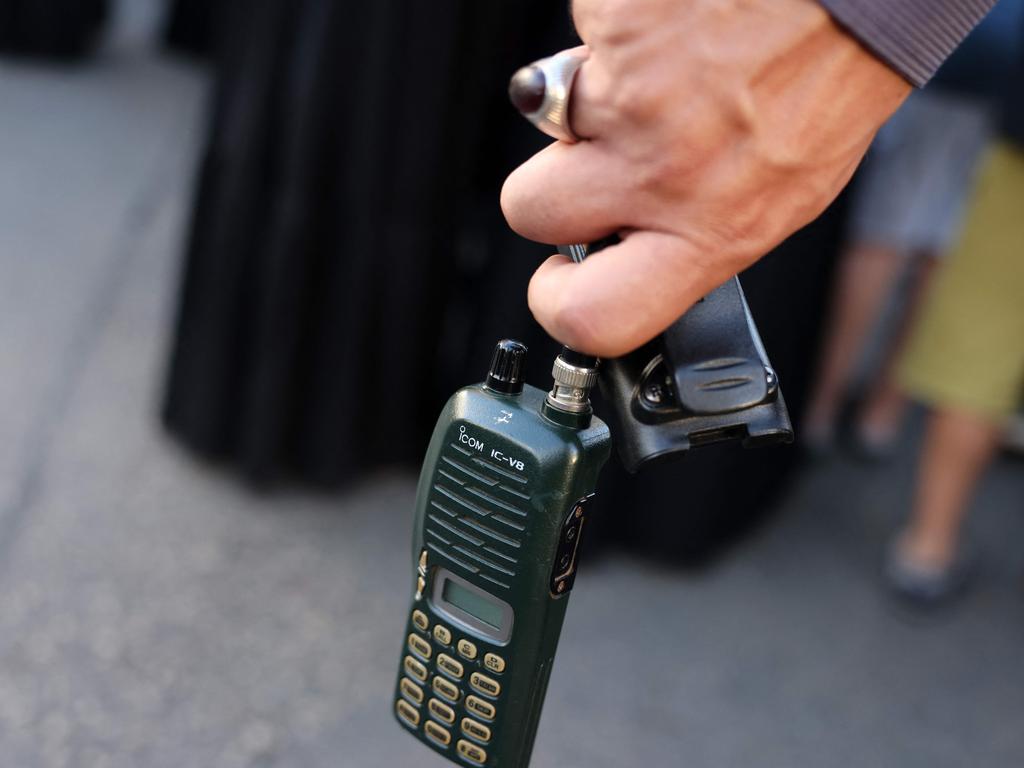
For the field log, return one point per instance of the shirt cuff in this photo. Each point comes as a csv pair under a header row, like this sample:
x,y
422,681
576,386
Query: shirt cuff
x,y
913,37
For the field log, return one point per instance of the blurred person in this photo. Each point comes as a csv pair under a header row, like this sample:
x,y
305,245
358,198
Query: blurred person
x,y
965,360
906,212
912,188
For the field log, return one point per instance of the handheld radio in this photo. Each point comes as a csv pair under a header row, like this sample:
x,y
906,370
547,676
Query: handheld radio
x,y
502,500
503,496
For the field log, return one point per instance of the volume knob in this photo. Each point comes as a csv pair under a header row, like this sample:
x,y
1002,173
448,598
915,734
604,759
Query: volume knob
x,y
506,371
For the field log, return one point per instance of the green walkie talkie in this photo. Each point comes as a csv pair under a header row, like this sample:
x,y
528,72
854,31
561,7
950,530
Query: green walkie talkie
x,y
502,500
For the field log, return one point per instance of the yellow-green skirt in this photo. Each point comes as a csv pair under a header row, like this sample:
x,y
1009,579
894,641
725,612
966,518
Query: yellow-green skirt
x,y
967,347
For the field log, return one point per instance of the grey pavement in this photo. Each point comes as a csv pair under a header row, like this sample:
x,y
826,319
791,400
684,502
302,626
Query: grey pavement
x,y
154,613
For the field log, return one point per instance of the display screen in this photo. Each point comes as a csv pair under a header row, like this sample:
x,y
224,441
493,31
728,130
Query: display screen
x,y
473,603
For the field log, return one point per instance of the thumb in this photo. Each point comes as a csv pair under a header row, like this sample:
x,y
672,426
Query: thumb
x,y
624,295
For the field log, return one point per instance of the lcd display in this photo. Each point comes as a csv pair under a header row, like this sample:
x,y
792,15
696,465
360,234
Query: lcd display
x,y
475,604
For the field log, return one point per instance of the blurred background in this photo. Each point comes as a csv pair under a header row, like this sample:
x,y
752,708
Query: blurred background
x,y
226,228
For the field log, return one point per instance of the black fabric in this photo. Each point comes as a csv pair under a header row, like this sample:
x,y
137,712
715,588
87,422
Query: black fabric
x,y
50,28
349,266
194,26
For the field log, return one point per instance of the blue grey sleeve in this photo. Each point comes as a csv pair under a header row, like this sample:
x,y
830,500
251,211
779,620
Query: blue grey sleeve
x,y
913,37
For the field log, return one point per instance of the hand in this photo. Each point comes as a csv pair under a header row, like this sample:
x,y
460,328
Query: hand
x,y
713,130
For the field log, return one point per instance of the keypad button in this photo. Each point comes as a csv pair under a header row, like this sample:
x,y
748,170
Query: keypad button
x,y
443,635
450,665
472,752
407,712
420,647
441,711
414,669
467,650
476,730
485,685
494,663
480,708
438,733
411,691
420,621
446,689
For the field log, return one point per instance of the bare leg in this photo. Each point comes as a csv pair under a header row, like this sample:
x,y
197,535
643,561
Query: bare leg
x,y
882,415
958,446
866,273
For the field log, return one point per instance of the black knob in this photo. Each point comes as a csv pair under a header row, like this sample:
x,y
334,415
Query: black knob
x,y
506,372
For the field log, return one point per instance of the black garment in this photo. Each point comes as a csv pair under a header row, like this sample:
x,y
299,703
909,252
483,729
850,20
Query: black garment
x,y
349,266
55,28
348,192
193,26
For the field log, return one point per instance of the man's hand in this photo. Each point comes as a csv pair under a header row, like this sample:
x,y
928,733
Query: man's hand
x,y
713,130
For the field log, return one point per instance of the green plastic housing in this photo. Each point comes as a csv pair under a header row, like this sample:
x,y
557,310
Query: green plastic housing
x,y
499,486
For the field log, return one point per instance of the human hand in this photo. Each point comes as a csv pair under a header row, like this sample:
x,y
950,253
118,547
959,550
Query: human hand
x,y
713,129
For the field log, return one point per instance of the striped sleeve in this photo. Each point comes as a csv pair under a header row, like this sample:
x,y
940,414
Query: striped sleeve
x,y
914,37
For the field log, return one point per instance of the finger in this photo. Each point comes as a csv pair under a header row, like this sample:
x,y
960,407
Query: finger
x,y
624,295
567,193
590,110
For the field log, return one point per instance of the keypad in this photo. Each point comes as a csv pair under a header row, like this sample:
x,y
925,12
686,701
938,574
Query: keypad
x,y
476,730
447,689
438,733
467,650
420,647
451,666
407,712
441,711
443,635
436,654
415,669
480,708
485,685
472,752
411,691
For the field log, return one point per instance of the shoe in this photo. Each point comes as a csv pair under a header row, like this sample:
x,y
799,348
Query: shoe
x,y
924,586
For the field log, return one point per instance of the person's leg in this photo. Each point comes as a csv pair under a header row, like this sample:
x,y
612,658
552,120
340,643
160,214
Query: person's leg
x,y
881,417
964,360
957,448
865,276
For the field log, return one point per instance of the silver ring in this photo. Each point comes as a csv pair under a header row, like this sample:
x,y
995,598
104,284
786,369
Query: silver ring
x,y
541,92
